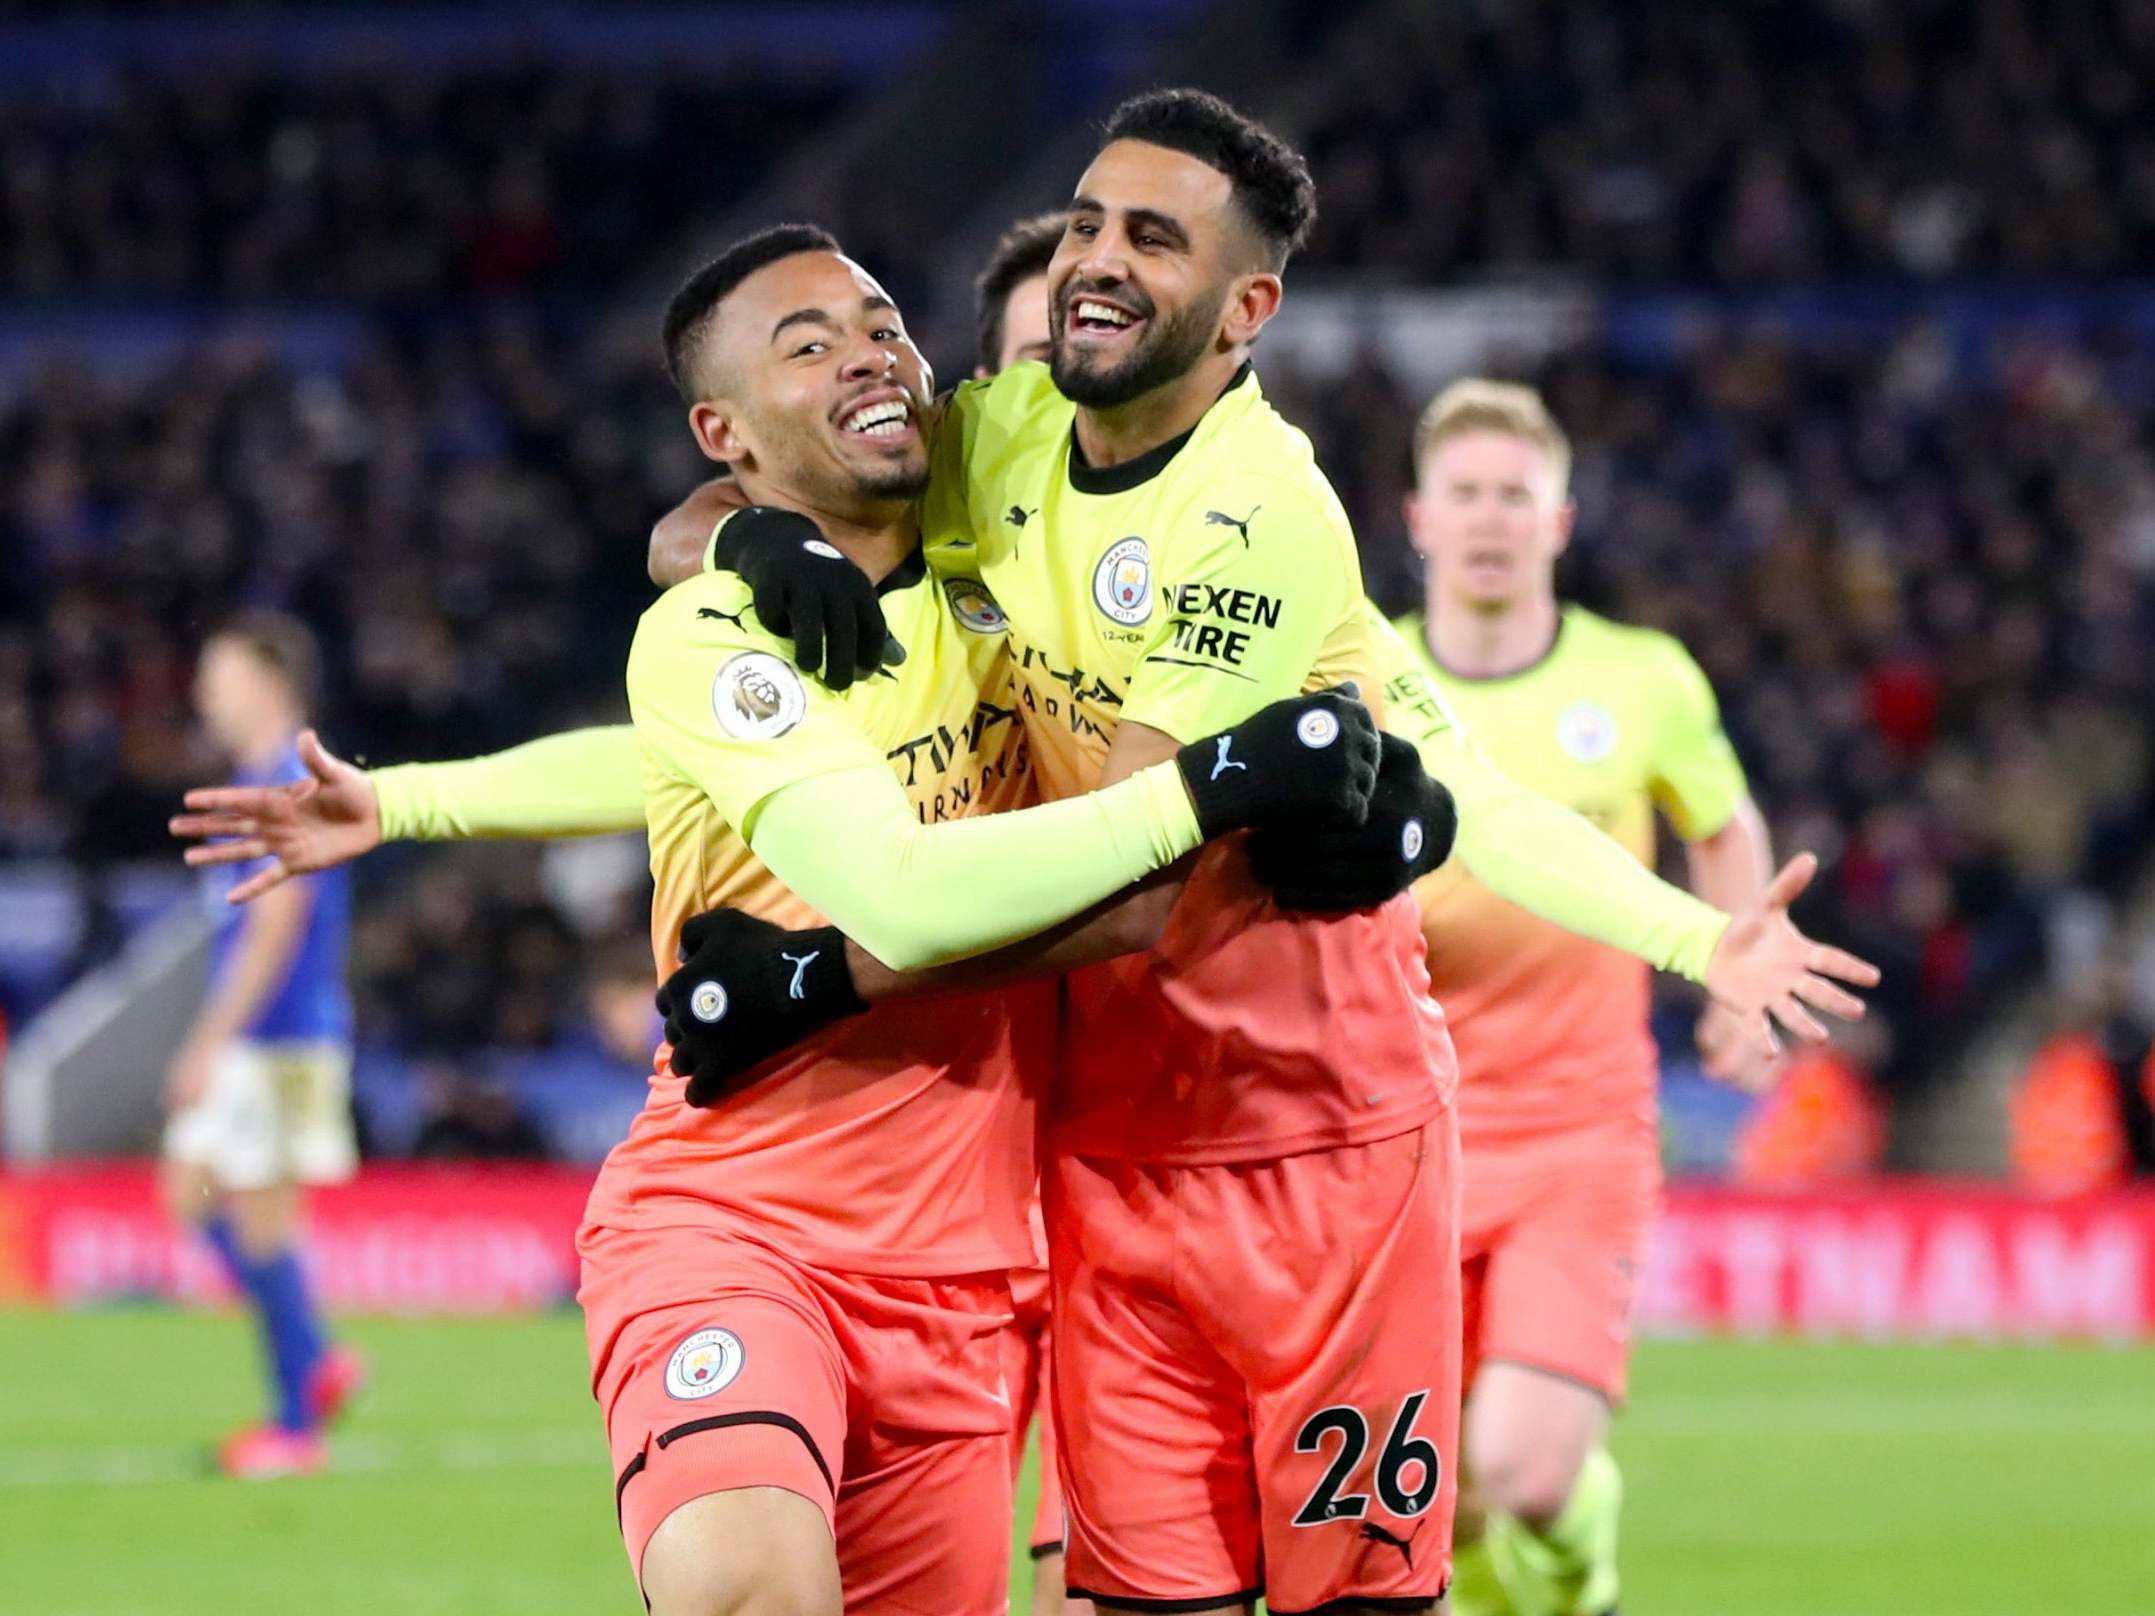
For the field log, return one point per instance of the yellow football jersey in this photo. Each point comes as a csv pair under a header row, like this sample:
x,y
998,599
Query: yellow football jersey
x,y
1612,722
724,720
1184,590
898,1141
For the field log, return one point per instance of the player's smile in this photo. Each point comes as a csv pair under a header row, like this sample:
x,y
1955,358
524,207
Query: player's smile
x,y
1101,323
885,417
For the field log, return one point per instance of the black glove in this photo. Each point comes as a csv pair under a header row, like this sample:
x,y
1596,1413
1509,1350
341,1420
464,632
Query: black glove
x,y
1408,833
806,590
1307,761
747,989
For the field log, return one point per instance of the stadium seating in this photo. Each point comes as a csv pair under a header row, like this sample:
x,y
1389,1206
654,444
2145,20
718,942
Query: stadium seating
x,y
1913,557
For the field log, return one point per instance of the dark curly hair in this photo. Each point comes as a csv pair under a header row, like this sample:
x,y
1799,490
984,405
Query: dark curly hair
x,y
1271,180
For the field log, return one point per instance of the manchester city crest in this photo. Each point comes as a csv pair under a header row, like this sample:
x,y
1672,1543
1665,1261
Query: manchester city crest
x,y
1122,582
703,1364
1587,732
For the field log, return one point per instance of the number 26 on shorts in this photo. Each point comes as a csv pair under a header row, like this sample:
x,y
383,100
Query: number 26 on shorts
x,y
1404,1457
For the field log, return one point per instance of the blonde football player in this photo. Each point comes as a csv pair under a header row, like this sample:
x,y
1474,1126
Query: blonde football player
x,y
1556,1063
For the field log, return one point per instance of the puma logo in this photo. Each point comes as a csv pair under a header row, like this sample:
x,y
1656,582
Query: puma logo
x,y
725,617
1018,515
800,963
1222,519
1222,763
1405,1545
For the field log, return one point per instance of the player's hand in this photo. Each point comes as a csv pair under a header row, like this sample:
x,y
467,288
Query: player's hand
x,y
328,818
1767,974
747,989
1407,833
1308,761
1729,1052
807,590
187,1079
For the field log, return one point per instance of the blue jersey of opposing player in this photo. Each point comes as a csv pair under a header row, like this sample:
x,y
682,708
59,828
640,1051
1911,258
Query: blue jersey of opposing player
x,y
312,1004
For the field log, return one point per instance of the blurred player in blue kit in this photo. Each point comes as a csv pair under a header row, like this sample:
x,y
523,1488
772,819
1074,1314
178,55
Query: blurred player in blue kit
x,y
258,1093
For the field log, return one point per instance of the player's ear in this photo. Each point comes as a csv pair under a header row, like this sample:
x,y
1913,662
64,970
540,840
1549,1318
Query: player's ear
x,y
1252,301
1567,517
1410,508
716,435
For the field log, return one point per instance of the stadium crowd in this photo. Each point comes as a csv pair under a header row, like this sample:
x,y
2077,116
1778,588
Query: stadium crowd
x,y
1925,590
456,514
374,184
1923,580
1623,141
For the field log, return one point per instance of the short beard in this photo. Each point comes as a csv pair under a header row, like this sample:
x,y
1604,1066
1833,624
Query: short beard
x,y
895,482
1171,350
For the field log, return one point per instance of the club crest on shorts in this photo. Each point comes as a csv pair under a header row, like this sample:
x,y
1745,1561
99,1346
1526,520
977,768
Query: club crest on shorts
x,y
1317,729
823,548
705,1363
1410,841
1122,582
974,607
1587,732
758,697
708,1002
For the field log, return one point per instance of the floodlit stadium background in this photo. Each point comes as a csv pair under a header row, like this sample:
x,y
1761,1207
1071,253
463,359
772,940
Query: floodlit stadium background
x,y
1848,306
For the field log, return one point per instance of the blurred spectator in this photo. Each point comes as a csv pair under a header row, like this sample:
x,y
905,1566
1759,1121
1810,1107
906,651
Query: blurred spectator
x,y
470,958
492,1025
2067,1128
2077,1118
472,1116
1821,1122
1662,140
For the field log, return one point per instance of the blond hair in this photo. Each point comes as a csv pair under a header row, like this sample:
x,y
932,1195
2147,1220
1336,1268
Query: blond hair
x,y
1477,404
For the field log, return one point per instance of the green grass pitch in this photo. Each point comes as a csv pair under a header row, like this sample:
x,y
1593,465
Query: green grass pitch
x,y
1764,1478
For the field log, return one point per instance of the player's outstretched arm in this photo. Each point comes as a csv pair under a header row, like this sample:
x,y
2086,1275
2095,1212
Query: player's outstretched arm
x,y
328,818
583,782
921,895
1771,975
1555,864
